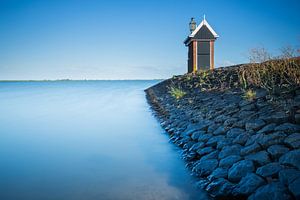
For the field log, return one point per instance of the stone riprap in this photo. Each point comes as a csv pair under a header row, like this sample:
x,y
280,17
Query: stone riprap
x,y
237,148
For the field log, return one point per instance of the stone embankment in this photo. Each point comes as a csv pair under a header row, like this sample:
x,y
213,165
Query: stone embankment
x,y
239,147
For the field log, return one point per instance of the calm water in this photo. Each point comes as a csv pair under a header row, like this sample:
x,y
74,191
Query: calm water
x,y
86,140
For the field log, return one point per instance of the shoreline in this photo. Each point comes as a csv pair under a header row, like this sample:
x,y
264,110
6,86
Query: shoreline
x,y
237,148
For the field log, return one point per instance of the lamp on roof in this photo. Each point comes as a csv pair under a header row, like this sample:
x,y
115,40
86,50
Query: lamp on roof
x,y
192,24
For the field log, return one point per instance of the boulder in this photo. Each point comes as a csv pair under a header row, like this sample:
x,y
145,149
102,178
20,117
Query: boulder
x,y
269,170
230,150
277,117
260,158
213,141
241,139
291,158
248,185
272,191
287,176
268,128
211,155
240,169
219,131
229,161
205,167
253,148
205,150
197,146
220,187
234,132
218,173
293,140
272,138
254,125
288,128
294,187
277,150
204,137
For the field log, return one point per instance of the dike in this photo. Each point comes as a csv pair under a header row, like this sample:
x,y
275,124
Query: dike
x,y
238,129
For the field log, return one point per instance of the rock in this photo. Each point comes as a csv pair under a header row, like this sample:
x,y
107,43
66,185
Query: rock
x,y
204,137
211,155
267,129
253,148
248,185
229,161
220,187
261,158
278,117
254,138
197,146
196,134
293,140
202,183
241,139
297,118
272,191
229,122
223,143
218,173
254,125
240,169
287,176
288,128
234,132
277,150
205,150
294,187
213,141
269,170
188,145
249,107
205,167
219,131
212,128
221,118
230,150
291,158
272,138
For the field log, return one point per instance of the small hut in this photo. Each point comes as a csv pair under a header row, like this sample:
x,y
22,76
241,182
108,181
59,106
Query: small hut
x,y
200,45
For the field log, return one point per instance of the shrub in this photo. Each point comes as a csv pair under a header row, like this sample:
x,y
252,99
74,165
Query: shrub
x,y
176,92
249,95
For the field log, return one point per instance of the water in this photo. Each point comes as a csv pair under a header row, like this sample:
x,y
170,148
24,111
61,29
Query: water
x,y
86,140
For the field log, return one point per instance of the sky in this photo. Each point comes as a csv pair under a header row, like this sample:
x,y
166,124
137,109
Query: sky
x,y
133,39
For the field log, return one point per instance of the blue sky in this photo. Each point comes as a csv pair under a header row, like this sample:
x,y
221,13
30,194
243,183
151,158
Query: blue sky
x,y
57,39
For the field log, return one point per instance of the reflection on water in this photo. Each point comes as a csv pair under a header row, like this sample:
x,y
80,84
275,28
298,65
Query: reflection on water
x,y
86,140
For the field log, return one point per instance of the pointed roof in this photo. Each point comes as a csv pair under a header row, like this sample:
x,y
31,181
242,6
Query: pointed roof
x,y
205,25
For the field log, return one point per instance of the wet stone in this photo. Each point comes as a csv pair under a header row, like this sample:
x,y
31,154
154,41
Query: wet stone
x,y
248,185
219,131
213,141
278,117
204,137
229,161
230,150
220,187
223,143
291,158
205,150
255,125
272,191
229,122
269,170
253,148
272,138
202,184
294,187
211,155
205,167
234,132
261,158
268,128
212,128
293,140
287,176
197,146
240,169
277,150
288,128
241,139
218,173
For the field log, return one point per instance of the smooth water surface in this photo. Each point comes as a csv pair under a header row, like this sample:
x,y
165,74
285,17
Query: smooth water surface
x,y
86,140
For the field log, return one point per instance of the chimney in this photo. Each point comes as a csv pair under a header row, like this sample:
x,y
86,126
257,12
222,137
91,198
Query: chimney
x,y
193,25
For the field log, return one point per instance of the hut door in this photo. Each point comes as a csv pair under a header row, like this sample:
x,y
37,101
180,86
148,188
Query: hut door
x,y
203,49
190,58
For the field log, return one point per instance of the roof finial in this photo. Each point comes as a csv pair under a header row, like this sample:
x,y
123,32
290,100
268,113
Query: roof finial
x,y
204,16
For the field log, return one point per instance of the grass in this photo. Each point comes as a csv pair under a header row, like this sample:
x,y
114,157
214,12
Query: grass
x,y
249,95
176,92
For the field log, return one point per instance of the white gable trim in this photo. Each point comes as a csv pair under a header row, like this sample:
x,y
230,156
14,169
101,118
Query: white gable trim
x,y
204,22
